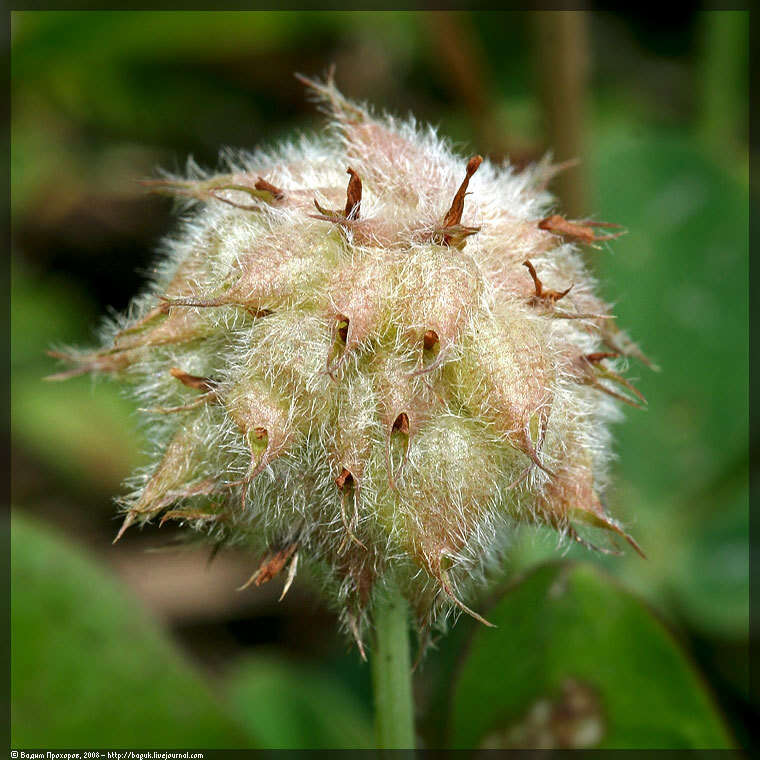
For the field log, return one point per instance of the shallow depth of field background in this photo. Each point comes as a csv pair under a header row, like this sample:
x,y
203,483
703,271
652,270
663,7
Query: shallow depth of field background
x,y
100,100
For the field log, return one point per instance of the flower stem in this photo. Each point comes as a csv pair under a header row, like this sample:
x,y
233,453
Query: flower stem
x,y
392,673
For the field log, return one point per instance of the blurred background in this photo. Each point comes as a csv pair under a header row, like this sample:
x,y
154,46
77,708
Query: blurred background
x,y
655,107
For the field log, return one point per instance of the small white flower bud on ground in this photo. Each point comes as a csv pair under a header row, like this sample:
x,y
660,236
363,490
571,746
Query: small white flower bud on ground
x,y
367,353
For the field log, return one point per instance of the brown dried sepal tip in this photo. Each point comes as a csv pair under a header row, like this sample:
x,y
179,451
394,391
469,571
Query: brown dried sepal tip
x,y
596,516
454,214
205,384
353,203
353,195
401,423
209,387
146,511
452,232
264,195
593,372
541,295
582,231
344,481
617,340
597,356
429,339
345,478
268,187
271,566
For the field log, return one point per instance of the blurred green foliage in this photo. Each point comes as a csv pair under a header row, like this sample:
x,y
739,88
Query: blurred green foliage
x,y
57,428
89,667
682,274
100,99
292,706
82,644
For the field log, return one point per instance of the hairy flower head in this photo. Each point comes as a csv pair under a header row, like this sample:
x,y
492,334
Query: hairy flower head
x,y
370,354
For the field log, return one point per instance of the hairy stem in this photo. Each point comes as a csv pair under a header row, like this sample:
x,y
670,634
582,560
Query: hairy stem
x,y
392,673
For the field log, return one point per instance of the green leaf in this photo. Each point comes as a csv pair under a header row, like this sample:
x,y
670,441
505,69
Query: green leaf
x,y
578,662
291,706
89,668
